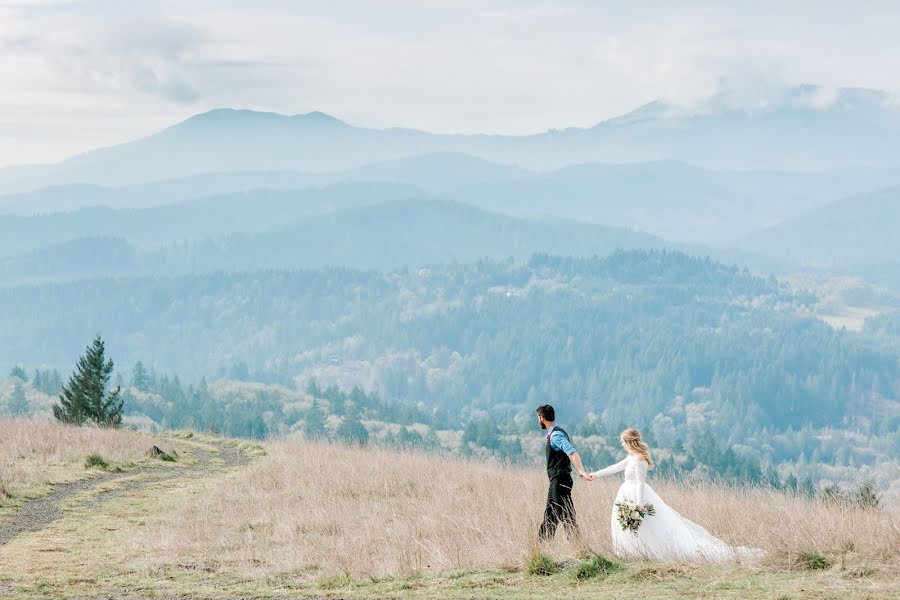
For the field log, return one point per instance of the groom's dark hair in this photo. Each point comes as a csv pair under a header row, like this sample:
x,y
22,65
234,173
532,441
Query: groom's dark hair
x,y
546,411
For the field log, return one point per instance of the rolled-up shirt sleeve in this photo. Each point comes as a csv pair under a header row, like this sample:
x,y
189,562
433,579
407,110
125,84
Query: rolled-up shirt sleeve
x,y
560,442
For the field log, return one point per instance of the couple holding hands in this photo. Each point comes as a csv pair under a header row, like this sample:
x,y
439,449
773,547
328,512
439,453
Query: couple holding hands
x,y
659,532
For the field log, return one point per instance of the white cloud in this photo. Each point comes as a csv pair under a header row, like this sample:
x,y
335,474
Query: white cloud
x,y
77,75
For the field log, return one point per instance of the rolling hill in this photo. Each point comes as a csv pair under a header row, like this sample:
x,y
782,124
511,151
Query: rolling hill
x,y
201,218
669,199
290,235
854,232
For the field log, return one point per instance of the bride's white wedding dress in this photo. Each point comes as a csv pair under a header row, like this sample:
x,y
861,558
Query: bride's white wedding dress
x,y
666,535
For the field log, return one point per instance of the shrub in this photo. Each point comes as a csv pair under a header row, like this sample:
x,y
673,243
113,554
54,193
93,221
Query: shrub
x,y
596,566
95,461
541,564
834,494
5,492
814,560
867,496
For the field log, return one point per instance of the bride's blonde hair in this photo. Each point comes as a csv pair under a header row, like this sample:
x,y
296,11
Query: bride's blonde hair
x,y
631,439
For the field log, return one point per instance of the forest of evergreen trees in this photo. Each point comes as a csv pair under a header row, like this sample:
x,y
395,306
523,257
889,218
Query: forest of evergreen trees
x,y
723,369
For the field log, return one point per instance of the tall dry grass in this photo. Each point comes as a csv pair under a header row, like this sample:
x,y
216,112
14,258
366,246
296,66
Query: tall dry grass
x,y
32,454
324,510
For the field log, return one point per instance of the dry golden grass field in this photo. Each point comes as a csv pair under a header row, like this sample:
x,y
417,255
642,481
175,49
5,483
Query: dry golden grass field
x,y
229,519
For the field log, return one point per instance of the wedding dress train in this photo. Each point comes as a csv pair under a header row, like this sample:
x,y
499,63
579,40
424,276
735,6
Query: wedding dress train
x,y
666,535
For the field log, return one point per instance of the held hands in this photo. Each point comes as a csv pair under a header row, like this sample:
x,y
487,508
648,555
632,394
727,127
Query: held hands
x,y
587,476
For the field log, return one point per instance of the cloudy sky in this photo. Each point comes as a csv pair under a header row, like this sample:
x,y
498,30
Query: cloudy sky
x,y
80,75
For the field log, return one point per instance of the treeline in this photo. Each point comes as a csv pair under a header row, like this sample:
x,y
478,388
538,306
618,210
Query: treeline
x,y
261,411
46,381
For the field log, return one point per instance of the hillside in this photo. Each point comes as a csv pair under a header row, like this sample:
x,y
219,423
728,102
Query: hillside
x,y
298,520
197,219
853,232
290,230
654,339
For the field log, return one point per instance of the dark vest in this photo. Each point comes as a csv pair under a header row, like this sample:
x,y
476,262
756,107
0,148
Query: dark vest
x,y
558,462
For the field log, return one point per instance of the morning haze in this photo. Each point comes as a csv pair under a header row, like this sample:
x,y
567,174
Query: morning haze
x,y
289,292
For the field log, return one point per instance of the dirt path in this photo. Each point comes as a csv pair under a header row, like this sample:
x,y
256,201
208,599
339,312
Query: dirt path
x,y
40,512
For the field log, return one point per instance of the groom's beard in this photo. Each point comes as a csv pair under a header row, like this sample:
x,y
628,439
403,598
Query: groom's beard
x,y
543,425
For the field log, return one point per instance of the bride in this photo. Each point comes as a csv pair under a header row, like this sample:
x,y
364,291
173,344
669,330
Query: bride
x,y
666,535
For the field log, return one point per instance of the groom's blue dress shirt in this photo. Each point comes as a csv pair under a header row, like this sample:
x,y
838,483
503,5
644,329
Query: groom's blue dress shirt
x,y
560,442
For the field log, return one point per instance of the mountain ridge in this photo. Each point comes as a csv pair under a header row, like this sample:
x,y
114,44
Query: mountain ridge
x,y
843,129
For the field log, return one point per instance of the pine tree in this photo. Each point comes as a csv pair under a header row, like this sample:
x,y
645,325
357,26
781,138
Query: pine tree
x,y
140,378
314,424
470,434
85,398
18,403
312,388
37,382
351,429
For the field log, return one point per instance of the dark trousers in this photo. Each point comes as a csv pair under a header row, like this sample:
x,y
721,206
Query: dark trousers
x,y
560,508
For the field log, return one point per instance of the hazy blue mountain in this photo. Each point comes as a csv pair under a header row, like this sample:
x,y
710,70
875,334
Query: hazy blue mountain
x,y
885,274
69,197
58,198
210,217
670,199
411,232
81,258
440,172
857,231
804,128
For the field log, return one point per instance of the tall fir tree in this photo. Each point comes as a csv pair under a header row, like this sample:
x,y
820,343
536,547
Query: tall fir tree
x,y
351,430
85,397
18,404
37,382
314,424
140,378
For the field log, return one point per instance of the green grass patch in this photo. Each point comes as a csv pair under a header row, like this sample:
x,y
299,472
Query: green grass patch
x,y
814,561
337,582
95,461
5,492
541,564
596,567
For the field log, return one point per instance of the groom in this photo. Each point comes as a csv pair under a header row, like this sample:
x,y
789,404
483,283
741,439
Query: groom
x,y
560,456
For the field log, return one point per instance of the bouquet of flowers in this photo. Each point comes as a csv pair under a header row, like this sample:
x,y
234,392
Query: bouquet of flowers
x,y
631,515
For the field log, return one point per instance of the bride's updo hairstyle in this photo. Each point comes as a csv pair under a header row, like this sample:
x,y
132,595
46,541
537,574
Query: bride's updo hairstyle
x,y
631,439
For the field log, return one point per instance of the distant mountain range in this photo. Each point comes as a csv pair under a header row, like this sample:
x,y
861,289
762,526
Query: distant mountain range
x,y
806,128
668,199
229,187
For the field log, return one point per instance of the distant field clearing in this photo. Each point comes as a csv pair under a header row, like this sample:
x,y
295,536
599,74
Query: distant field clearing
x,y
850,318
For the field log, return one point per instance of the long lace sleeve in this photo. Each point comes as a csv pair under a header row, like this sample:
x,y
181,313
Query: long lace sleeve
x,y
619,466
641,472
